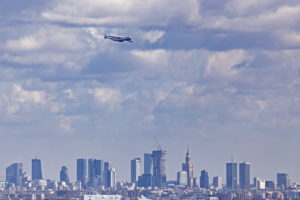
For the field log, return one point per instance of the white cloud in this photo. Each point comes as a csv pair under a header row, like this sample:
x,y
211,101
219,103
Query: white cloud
x,y
94,32
284,17
107,97
289,38
22,96
248,7
261,104
154,58
68,93
48,45
24,44
154,36
86,20
12,108
47,37
17,102
118,12
222,64
67,124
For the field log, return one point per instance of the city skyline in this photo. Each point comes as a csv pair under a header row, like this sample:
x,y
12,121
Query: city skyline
x,y
243,180
219,76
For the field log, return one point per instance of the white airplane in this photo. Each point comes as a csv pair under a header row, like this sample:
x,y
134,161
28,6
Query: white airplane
x,y
118,38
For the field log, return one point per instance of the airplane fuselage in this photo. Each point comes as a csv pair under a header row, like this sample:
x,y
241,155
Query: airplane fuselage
x,y
118,38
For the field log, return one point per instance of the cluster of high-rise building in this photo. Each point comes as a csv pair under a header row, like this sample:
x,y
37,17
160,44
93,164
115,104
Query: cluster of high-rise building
x,y
96,173
147,177
232,175
154,170
90,173
237,175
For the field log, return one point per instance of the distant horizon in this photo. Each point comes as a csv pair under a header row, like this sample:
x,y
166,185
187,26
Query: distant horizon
x,y
73,176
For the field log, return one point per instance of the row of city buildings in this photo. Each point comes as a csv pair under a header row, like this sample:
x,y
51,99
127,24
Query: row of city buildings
x,y
237,175
147,177
90,173
98,173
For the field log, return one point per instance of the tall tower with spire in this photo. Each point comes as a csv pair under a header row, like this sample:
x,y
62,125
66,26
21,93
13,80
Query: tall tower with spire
x,y
189,168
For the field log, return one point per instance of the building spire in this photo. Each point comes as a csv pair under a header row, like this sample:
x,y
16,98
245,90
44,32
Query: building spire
x,y
188,150
187,157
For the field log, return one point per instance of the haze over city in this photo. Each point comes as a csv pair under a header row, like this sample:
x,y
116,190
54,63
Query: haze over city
x,y
219,76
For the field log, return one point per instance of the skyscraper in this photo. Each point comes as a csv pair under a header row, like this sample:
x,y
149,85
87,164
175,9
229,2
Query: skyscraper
x,y
231,175
283,180
159,168
204,179
14,174
90,172
107,166
217,182
146,179
98,172
135,169
95,172
64,176
111,178
148,163
196,182
82,171
107,175
255,179
261,184
244,175
36,169
189,168
270,185
182,178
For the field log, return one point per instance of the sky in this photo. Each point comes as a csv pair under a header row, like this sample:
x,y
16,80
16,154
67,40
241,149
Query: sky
x,y
219,76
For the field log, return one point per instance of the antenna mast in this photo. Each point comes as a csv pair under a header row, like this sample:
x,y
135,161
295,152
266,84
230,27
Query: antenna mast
x,y
158,146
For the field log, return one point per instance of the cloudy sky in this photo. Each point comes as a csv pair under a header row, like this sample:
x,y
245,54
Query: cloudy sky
x,y
219,76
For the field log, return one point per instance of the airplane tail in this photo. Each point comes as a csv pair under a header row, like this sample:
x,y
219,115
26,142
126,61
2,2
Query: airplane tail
x,y
105,36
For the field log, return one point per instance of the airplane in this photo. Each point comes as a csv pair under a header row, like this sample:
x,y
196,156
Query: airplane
x,y
118,38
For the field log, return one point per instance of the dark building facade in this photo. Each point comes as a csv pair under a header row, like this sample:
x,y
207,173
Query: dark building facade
x,y
148,163
244,175
283,180
14,174
64,176
204,179
231,175
135,170
107,174
159,168
145,180
36,169
82,171
270,185
95,172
